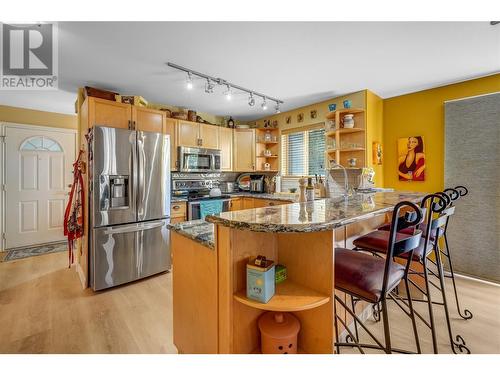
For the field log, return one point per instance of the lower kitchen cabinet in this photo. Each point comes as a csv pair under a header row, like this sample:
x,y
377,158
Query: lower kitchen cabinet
x,y
247,203
178,212
269,202
236,204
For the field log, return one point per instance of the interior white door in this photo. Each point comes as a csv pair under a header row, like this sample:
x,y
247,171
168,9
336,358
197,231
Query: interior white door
x,y
38,174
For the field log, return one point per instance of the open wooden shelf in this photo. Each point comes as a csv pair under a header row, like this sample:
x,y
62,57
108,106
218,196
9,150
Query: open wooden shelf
x,y
268,142
343,111
333,133
346,149
288,296
268,157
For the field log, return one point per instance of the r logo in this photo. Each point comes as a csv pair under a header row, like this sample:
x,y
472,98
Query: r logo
x,y
27,50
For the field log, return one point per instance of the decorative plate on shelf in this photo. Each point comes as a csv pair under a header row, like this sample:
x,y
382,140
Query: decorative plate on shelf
x,y
243,181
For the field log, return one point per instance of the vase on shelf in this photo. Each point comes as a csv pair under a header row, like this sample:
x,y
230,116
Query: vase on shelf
x,y
348,121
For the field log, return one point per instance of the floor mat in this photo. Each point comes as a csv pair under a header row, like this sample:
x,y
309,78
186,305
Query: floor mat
x,y
30,251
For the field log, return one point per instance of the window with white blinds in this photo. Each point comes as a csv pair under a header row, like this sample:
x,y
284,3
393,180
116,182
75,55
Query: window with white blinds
x,y
303,152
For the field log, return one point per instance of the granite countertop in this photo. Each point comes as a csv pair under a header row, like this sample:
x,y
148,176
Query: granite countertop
x,y
198,230
277,197
316,216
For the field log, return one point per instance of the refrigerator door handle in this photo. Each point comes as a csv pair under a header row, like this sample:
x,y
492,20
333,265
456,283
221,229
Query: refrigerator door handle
x,y
140,173
133,228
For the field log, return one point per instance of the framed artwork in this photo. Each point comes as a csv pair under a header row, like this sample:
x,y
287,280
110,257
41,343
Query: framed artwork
x,y
377,153
275,124
314,114
300,117
288,120
411,159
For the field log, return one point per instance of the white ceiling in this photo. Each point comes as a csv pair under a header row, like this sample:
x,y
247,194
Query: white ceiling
x,y
298,62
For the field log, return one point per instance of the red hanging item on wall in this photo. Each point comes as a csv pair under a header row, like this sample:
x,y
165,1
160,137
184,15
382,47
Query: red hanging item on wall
x,y
74,214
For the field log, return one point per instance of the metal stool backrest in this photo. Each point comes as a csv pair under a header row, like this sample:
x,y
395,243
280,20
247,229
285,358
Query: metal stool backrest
x,y
439,209
403,244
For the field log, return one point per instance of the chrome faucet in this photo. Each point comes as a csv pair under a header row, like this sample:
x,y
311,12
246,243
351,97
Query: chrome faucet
x,y
346,180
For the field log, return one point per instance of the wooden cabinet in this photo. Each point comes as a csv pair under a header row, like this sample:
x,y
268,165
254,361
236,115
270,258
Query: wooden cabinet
x,y
247,203
171,129
244,150
226,148
108,113
236,204
269,202
178,212
193,134
188,134
149,120
209,136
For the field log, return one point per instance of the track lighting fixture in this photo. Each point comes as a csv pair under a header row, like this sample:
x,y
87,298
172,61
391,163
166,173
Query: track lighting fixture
x,y
209,87
264,104
228,93
251,100
212,81
189,81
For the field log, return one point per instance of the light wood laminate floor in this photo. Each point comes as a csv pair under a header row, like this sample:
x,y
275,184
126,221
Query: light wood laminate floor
x,y
44,310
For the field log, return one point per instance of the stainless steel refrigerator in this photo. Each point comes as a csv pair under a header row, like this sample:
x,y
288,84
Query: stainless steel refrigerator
x,y
129,205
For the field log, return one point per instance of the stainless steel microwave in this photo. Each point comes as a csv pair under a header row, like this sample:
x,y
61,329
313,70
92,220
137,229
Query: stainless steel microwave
x,y
195,159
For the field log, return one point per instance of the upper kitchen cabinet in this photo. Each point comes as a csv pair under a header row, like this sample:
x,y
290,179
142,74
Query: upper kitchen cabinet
x,y
244,150
193,134
108,113
209,135
226,147
188,134
149,120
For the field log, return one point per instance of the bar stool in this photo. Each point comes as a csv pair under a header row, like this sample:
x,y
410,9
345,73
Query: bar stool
x,y
454,194
433,229
374,279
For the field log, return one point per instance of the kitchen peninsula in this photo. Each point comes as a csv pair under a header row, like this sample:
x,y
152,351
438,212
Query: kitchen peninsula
x,y
211,311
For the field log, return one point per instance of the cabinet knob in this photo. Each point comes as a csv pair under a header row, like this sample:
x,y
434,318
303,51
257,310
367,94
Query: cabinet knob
x,y
271,203
176,207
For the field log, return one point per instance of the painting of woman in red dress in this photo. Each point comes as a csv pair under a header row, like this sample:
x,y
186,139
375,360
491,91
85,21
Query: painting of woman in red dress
x,y
411,163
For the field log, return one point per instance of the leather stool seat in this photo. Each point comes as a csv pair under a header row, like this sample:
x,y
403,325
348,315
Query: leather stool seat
x,y
378,241
362,274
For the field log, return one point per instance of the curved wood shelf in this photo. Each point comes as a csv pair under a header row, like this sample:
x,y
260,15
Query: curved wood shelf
x,y
267,142
331,115
332,133
288,296
268,157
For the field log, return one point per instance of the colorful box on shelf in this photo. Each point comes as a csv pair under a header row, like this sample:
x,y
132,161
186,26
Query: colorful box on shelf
x,y
260,279
280,273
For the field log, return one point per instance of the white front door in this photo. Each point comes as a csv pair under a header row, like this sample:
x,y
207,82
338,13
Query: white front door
x,y
38,172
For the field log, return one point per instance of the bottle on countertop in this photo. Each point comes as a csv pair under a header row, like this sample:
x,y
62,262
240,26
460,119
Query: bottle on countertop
x,y
309,190
302,187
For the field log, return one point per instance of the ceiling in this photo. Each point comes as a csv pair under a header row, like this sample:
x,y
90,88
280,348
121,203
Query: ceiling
x,y
298,62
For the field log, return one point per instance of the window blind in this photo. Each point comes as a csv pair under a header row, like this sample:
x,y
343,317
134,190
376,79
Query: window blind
x,y
303,152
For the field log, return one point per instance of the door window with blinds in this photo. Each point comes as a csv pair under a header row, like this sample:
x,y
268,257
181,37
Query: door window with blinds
x,y
303,151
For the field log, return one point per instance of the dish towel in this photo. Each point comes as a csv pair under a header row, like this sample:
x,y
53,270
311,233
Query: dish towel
x,y
211,207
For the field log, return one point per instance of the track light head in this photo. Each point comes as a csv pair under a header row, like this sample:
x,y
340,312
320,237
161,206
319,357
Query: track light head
x,y
251,100
228,93
189,81
209,87
264,104
277,107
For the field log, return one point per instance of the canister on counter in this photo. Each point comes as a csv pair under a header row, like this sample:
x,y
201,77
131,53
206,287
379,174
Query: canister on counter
x,y
260,279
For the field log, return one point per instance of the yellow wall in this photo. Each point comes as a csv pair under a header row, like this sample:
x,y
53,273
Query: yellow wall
x,y
32,117
374,132
422,113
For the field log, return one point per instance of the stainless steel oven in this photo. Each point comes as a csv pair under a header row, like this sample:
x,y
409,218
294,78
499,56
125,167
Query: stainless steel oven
x,y
195,159
194,212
